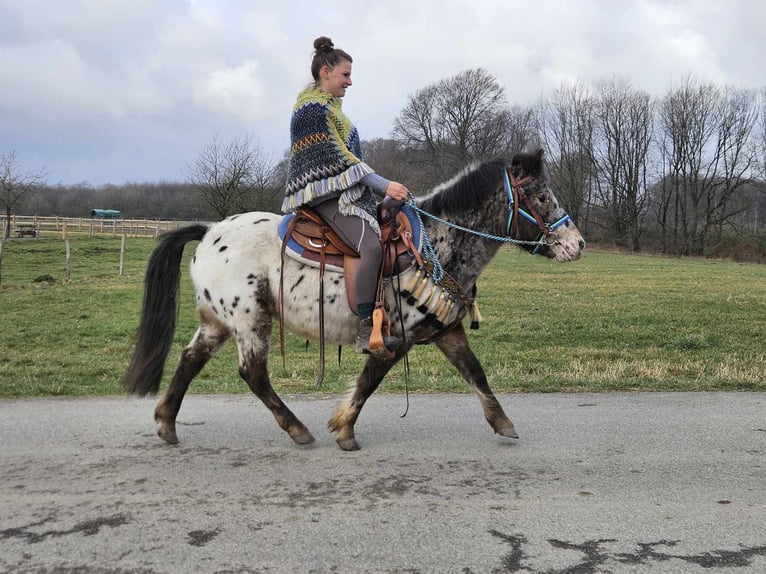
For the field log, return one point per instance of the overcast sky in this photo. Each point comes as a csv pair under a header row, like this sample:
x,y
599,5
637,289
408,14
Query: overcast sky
x,y
115,91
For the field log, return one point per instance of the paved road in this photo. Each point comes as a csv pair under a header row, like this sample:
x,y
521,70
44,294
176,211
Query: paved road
x,y
597,483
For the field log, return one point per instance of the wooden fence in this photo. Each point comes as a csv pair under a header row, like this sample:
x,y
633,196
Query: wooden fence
x,y
34,226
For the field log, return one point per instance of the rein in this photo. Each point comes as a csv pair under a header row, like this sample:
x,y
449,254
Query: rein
x,y
515,192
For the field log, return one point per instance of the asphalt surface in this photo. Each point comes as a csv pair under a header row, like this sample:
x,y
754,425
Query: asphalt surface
x,y
597,483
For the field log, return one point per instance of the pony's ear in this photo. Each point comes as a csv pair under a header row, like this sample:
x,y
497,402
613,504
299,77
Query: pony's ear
x,y
524,164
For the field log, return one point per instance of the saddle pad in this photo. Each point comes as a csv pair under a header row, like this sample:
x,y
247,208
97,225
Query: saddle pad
x,y
296,251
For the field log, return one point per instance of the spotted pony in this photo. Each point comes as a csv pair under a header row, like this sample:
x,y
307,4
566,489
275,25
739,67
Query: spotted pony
x,y
236,274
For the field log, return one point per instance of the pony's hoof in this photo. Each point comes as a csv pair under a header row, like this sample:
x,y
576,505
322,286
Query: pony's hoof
x,y
168,435
348,444
507,432
304,437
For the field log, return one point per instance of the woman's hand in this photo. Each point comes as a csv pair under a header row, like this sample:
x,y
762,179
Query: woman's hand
x,y
397,191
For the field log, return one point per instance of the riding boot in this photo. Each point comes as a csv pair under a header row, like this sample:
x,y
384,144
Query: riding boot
x,y
363,339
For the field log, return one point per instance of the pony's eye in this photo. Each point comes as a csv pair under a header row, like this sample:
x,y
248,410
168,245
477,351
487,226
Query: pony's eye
x,y
542,198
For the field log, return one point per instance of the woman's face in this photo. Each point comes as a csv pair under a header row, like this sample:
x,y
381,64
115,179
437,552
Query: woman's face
x,y
335,80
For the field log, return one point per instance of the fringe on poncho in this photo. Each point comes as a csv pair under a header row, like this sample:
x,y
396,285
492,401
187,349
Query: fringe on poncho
x,y
326,157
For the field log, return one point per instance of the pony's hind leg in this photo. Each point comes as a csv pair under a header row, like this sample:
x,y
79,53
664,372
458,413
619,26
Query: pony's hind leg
x,y
345,415
454,344
208,339
253,353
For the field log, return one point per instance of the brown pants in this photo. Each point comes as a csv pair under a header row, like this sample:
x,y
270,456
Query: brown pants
x,y
357,232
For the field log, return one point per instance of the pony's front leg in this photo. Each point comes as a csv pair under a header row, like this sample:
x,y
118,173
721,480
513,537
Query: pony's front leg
x,y
454,344
345,415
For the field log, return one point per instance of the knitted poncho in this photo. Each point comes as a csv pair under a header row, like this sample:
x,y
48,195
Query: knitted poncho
x,y
326,157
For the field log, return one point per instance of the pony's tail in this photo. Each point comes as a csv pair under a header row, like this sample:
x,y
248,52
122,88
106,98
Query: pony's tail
x,y
158,314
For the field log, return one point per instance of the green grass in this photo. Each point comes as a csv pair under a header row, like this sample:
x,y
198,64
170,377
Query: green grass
x,y
607,322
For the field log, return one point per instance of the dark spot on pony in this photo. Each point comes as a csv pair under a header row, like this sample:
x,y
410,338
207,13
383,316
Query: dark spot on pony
x,y
207,295
217,239
259,221
298,282
223,248
235,302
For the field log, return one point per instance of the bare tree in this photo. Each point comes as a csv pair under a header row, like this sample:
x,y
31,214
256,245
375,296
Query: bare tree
x,y
686,121
16,182
234,176
758,217
734,160
708,160
460,119
624,122
761,135
567,125
389,158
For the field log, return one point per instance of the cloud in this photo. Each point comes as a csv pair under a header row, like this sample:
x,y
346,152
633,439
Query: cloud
x,y
117,90
235,90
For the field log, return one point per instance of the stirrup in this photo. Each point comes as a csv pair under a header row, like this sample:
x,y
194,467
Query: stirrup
x,y
380,344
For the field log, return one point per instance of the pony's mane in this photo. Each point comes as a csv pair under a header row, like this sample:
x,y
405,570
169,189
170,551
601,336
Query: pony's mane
x,y
467,189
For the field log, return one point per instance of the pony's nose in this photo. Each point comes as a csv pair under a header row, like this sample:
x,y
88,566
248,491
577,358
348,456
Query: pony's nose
x,y
582,244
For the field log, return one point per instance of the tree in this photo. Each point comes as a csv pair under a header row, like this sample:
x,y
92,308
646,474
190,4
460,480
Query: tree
x,y
567,125
233,177
707,161
455,121
624,122
15,183
734,159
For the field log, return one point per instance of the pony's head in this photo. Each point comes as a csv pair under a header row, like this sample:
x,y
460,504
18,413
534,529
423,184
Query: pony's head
x,y
535,213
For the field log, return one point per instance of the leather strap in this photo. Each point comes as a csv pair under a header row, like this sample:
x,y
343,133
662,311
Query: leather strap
x,y
290,228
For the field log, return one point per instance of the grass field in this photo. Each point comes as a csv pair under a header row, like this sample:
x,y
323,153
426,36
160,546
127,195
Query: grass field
x,y
607,322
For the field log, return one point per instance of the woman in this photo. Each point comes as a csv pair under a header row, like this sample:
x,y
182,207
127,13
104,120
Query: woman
x,y
326,172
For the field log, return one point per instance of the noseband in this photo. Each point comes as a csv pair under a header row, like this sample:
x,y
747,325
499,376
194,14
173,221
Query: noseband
x,y
514,189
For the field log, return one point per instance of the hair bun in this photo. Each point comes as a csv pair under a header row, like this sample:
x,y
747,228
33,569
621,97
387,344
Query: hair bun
x,y
323,44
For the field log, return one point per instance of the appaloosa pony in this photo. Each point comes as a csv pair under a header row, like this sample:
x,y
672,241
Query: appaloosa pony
x,y
237,268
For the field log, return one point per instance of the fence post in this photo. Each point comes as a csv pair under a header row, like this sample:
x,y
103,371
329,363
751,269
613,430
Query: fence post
x,y
1,259
122,255
68,260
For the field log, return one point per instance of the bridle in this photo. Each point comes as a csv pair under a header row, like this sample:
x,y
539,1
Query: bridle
x,y
514,189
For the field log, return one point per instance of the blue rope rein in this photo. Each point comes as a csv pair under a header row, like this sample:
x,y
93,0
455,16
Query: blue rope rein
x,y
429,252
437,273
419,211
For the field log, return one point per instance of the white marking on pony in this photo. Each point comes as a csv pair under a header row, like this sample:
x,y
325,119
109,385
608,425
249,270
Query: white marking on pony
x,y
451,182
